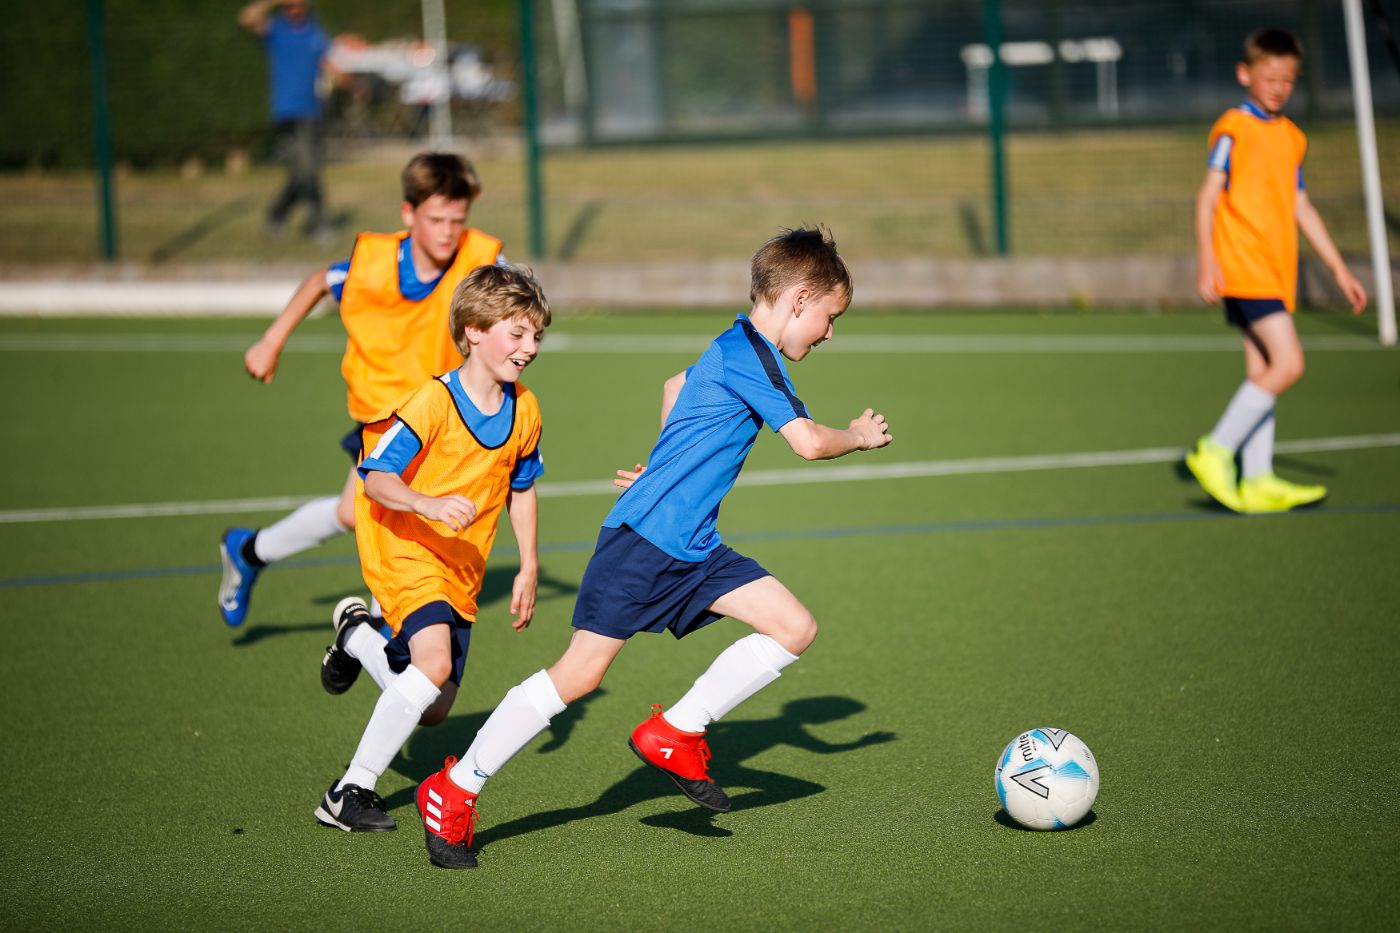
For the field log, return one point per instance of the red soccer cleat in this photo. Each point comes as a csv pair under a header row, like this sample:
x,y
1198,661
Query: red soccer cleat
x,y
449,819
681,756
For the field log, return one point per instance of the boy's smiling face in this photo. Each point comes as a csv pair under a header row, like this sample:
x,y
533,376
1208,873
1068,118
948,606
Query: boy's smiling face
x,y
506,347
1269,80
436,226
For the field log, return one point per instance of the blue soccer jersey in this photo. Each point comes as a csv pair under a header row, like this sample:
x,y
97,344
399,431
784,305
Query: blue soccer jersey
x,y
738,384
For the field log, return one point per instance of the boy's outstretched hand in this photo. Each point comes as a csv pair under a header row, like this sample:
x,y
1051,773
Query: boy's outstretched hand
x,y
522,599
454,511
625,478
872,430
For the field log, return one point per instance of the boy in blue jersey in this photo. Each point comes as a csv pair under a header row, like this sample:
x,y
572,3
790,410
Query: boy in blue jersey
x,y
660,564
296,48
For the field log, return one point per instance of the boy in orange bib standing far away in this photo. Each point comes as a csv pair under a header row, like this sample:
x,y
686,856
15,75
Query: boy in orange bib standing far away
x,y
1248,214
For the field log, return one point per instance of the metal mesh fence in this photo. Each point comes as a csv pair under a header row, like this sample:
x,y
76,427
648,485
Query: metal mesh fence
x,y
688,129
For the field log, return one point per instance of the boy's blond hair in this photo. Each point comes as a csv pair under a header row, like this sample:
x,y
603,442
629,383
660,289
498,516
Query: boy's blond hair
x,y
496,293
1271,43
805,255
430,173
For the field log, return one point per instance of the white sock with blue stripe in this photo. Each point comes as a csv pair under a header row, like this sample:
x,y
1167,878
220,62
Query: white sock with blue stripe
x,y
741,670
524,713
310,525
400,707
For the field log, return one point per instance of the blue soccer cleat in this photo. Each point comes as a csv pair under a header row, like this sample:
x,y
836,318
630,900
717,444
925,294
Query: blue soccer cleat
x,y
239,575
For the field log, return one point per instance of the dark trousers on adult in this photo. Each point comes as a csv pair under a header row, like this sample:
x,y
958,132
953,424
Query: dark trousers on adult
x,y
299,142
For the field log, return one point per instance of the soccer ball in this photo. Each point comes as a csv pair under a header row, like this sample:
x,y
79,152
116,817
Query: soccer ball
x,y
1047,779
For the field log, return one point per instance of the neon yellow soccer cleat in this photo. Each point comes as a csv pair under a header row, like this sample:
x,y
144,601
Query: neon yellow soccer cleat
x,y
1213,465
1268,493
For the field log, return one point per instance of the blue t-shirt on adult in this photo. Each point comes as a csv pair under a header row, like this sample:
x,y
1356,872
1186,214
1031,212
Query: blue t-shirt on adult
x,y
294,53
738,384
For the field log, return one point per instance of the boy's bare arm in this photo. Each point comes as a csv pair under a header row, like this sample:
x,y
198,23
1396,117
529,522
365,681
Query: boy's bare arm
x,y
390,491
523,507
812,441
261,358
1209,280
1310,222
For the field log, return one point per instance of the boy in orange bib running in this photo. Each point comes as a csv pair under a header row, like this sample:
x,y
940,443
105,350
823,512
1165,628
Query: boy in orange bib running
x,y
442,464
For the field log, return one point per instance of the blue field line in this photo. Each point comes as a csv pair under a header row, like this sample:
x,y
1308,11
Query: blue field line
x,y
812,534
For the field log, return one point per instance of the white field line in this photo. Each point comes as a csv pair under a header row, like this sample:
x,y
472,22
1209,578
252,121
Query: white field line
x,y
842,473
695,343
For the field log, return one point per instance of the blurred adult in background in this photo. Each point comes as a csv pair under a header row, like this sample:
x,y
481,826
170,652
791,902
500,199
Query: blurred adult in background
x,y
296,48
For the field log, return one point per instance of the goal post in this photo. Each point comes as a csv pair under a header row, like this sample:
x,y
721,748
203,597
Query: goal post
x,y
1384,296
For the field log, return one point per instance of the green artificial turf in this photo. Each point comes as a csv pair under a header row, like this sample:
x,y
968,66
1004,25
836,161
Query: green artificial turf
x,y
1235,676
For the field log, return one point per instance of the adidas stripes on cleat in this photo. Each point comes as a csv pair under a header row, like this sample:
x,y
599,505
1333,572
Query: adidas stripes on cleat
x,y
354,809
339,668
681,756
236,588
449,819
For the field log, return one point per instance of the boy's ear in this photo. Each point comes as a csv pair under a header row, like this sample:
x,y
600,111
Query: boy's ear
x,y
800,296
406,214
1242,73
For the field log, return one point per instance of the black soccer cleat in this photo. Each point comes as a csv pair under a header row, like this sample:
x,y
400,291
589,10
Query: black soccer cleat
x,y
444,854
338,668
355,810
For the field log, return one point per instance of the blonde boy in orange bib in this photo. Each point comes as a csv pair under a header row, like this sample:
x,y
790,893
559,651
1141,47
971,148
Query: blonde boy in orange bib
x,y
440,468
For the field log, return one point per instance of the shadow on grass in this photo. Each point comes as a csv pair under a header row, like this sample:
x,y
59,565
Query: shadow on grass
x,y
734,743
1299,465
428,748
1004,819
252,634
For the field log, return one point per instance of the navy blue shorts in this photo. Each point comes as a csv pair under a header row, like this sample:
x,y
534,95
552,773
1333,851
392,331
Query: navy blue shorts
x,y
434,613
353,443
633,586
1242,312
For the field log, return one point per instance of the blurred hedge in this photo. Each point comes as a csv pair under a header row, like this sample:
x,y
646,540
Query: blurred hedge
x,y
183,78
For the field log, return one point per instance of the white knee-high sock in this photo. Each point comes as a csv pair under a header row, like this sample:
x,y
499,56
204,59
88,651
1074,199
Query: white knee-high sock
x,y
1257,454
741,670
312,524
390,725
367,646
1248,407
523,714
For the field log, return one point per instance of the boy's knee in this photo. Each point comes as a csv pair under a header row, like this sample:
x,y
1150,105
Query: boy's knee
x,y
798,632
436,668
577,686
345,514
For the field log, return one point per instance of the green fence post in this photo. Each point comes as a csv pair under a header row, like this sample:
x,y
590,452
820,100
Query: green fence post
x,y
533,186
996,104
102,128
